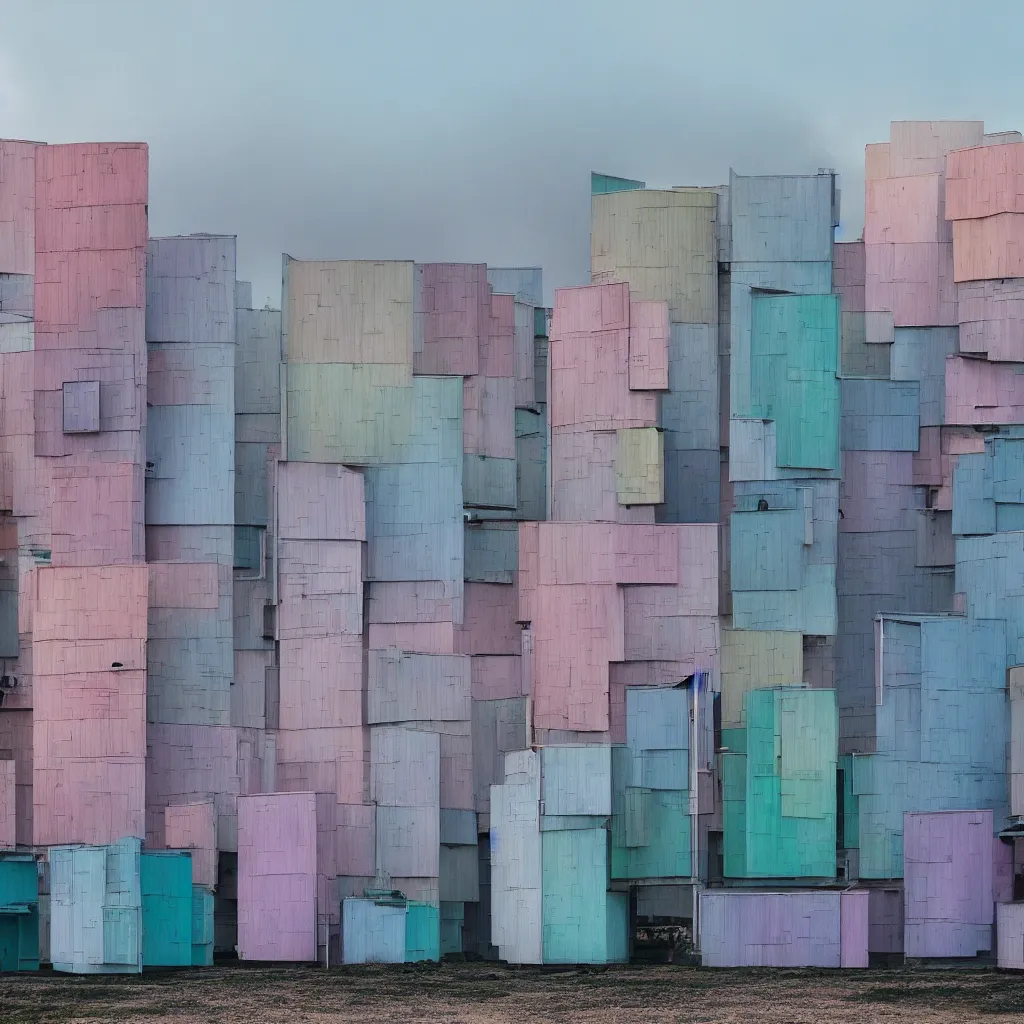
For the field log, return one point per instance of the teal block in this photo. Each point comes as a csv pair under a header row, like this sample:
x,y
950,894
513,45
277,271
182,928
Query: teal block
x,y
850,838
734,814
602,184
617,935
19,913
422,932
664,827
167,911
202,927
453,918
794,361
575,897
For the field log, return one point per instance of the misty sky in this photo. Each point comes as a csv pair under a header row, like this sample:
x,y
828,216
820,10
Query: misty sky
x,y
465,130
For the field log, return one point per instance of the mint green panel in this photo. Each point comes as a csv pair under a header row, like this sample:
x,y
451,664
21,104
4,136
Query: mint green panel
x,y
735,740
851,806
202,927
734,813
601,184
665,850
422,932
19,913
166,878
792,739
575,897
794,358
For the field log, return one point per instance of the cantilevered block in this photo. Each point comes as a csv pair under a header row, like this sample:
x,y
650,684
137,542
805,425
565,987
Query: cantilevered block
x,y
984,181
452,310
320,502
640,466
979,392
988,248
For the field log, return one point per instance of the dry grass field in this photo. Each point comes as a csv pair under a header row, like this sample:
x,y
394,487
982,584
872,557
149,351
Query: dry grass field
x,y
480,993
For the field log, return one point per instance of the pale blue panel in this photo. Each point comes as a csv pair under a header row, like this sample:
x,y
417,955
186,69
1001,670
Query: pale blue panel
x,y
692,484
1009,518
576,780
766,550
251,485
492,552
974,511
919,353
657,718
525,283
192,448
258,361
372,932
1007,469
782,218
880,415
690,406
488,482
458,828
531,464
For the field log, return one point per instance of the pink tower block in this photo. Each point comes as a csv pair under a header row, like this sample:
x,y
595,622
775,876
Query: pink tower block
x,y
277,877
984,181
8,807
17,207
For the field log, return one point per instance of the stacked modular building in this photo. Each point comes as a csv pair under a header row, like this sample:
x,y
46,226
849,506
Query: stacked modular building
x,y
414,618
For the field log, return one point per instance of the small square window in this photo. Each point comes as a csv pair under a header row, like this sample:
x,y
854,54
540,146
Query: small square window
x,y
81,407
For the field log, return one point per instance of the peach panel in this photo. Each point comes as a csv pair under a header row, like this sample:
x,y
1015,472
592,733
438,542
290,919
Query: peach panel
x,y
497,678
989,248
920,147
590,309
91,602
8,805
17,207
955,441
979,392
277,869
913,281
905,210
321,682
454,308
319,501
927,460
876,161
984,181
498,345
577,632
194,827
489,626
648,346
184,585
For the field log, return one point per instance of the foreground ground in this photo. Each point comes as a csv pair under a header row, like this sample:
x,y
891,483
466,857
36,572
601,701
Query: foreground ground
x,y
476,993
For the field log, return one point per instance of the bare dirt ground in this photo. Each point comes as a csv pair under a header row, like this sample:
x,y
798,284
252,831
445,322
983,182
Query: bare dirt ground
x,y
481,993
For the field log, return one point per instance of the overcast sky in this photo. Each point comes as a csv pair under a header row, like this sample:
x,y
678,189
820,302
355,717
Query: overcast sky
x,y
465,130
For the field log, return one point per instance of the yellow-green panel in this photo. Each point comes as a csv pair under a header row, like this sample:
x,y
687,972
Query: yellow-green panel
x,y
640,466
752,659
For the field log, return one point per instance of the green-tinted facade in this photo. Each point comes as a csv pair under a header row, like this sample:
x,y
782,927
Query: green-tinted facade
x,y
167,911
19,913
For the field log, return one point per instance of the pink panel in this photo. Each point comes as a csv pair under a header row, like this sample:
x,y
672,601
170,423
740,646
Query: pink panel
x,y
329,760
991,315
848,274
979,392
497,678
984,181
92,174
489,416
321,590
190,763
648,346
91,603
853,928
16,736
607,553
913,281
321,682
456,771
577,631
497,346
874,492
320,502
885,920
528,576
277,869
98,514
194,827
413,602
876,161
93,228
8,806
659,627
184,585
1002,871
992,247
454,308
17,207
490,624
413,637
602,307
948,892
905,210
